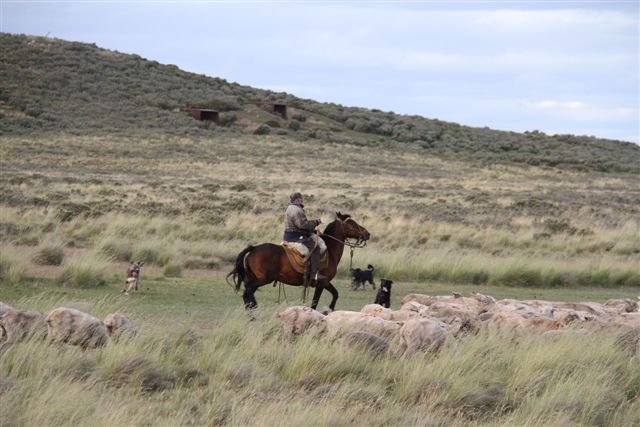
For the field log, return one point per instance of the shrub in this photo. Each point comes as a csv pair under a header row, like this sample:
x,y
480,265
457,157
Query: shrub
x,y
67,211
272,123
556,226
627,277
11,269
199,263
164,259
83,272
262,130
115,249
227,120
48,254
517,275
173,269
294,125
146,253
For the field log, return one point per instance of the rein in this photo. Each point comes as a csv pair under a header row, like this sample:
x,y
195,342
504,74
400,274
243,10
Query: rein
x,y
359,243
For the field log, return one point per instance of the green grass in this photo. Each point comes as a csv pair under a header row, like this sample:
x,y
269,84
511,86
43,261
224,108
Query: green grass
x,y
211,296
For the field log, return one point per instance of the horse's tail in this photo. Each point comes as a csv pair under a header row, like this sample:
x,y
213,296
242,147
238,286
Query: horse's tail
x,y
239,273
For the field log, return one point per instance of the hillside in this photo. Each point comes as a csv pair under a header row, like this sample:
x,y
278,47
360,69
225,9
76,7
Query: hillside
x,y
51,85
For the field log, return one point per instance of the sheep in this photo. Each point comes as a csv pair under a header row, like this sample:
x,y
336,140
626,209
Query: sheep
x,y
67,325
428,334
5,308
17,324
387,314
296,320
626,305
458,317
519,322
477,303
119,326
340,322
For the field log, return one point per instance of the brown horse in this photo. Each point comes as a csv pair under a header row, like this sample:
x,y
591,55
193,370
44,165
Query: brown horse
x,y
266,263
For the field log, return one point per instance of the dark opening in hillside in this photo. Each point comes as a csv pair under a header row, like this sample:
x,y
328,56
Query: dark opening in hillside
x,y
205,115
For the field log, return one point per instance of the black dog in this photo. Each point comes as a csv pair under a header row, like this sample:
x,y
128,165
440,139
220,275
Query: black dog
x,y
383,297
359,278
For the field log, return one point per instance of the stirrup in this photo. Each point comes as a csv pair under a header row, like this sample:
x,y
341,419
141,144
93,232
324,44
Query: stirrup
x,y
319,277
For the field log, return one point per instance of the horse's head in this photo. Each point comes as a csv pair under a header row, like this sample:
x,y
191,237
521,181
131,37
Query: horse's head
x,y
352,230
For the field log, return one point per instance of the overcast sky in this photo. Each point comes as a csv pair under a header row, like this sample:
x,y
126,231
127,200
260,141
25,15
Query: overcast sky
x,y
558,67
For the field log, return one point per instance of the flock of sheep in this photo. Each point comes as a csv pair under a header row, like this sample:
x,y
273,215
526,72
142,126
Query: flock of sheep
x,y
63,325
425,322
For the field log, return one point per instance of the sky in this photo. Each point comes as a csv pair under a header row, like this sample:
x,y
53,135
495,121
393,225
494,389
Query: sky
x,y
553,66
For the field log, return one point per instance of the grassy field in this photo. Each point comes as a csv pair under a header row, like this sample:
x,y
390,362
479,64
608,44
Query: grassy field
x,y
75,210
197,360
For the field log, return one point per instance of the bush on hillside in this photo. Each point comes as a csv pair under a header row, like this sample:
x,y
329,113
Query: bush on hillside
x,y
83,272
12,270
48,254
115,249
262,130
173,269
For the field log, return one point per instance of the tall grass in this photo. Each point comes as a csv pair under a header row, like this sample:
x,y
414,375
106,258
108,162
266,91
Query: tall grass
x,y
429,219
83,271
236,372
473,268
12,267
49,252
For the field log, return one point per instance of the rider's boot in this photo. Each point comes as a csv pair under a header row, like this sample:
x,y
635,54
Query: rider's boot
x,y
315,274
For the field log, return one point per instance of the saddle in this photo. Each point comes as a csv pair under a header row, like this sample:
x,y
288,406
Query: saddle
x,y
298,255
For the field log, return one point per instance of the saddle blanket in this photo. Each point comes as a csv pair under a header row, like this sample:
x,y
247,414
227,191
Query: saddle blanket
x,y
298,254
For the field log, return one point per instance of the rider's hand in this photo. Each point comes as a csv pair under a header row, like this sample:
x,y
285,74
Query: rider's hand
x,y
317,221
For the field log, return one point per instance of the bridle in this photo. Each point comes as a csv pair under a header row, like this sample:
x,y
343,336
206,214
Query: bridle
x,y
359,243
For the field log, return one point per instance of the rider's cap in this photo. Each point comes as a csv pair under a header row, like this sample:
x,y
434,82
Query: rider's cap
x,y
294,196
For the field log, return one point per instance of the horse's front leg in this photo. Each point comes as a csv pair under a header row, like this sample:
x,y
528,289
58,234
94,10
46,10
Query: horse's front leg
x,y
334,296
316,296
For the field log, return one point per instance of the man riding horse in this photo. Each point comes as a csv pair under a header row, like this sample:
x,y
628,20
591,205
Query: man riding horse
x,y
297,228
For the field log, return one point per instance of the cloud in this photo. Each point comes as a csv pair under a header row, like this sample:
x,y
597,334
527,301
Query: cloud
x,y
520,21
561,104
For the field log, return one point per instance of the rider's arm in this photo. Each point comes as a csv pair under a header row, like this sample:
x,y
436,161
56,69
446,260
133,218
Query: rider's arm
x,y
300,220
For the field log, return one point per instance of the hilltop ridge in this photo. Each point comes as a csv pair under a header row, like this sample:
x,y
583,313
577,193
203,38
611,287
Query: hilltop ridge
x,y
52,85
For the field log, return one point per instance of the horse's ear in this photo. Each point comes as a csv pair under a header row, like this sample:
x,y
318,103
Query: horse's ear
x,y
339,215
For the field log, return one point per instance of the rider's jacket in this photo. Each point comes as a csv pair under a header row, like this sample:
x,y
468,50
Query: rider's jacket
x,y
296,224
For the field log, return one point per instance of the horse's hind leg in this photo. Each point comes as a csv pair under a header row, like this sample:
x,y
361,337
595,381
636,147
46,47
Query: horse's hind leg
x,y
248,296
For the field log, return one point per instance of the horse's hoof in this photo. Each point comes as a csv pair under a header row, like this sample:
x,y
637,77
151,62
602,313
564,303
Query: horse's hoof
x,y
326,311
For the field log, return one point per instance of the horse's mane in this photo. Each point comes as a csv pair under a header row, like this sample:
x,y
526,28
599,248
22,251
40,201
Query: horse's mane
x,y
330,229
